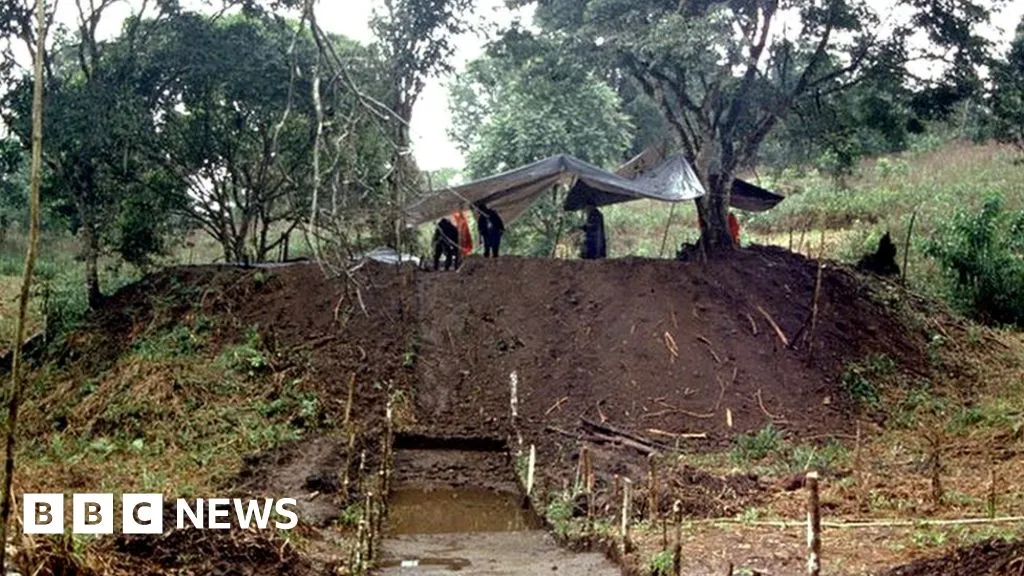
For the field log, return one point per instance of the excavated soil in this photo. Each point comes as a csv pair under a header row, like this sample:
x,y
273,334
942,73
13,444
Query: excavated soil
x,y
650,348
989,558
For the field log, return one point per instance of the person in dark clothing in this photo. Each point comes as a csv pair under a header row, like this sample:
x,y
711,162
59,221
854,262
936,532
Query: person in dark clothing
x,y
594,245
883,260
446,241
491,228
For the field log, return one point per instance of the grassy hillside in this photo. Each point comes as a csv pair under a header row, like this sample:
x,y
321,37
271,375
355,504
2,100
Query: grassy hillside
x,y
882,196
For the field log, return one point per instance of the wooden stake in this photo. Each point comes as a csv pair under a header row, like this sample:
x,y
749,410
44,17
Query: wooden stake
x,y
906,247
529,469
936,468
814,309
668,224
677,551
367,521
588,483
350,430
813,526
626,546
858,476
652,496
992,493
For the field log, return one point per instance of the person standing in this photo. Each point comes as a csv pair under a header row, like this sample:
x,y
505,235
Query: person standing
x,y
465,238
594,243
491,228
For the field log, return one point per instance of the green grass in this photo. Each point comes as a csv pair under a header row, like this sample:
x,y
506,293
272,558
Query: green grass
x,y
933,181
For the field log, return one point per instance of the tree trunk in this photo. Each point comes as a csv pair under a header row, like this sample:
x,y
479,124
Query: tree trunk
x,y
714,215
91,253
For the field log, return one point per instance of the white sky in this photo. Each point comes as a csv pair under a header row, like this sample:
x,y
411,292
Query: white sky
x,y
431,118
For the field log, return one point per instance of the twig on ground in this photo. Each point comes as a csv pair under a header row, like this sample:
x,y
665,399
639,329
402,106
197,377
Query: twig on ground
x,y
556,405
753,325
710,348
778,331
760,403
670,344
657,432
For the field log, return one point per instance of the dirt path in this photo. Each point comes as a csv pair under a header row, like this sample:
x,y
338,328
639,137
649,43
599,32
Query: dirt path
x,y
520,553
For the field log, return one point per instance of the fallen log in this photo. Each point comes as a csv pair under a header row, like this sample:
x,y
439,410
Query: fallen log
x,y
609,430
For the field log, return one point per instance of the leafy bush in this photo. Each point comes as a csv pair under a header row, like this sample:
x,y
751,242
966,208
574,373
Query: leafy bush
x,y
754,447
982,255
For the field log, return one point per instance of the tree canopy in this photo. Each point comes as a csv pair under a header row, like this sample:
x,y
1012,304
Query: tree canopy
x,y
725,74
523,102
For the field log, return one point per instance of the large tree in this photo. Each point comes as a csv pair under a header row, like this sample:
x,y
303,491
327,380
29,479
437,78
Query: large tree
x,y
1007,96
416,39
99,132
724,74
236,125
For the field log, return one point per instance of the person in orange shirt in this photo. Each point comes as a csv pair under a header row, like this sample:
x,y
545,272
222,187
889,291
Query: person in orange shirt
x,y
465,238
734,228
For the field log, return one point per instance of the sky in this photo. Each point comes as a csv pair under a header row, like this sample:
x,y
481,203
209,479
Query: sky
x,y
431,146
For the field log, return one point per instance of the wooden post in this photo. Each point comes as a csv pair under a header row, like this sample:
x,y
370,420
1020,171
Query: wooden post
x,y
814,310
992,492
367,515
529,469
936,468
588,481
652,487
626,546
350,430
668,224
677,551
813,526
906,247
858,475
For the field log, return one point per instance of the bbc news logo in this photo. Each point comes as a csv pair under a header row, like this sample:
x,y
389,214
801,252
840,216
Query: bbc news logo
x,y
143,513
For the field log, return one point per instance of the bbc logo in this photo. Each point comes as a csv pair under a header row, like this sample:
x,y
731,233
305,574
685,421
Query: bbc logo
x,y
93,513
143,513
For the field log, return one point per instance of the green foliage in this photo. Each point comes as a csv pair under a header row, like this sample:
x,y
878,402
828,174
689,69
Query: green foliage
x,y
559,511
661,563
859,381
980,253
756,447
248,357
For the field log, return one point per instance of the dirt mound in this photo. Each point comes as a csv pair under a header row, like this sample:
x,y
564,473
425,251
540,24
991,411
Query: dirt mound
x,y
989,558
234,553
654,347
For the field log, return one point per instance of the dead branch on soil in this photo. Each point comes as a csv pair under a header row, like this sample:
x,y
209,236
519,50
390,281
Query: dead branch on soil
x,y
673,409
670,344
677,435
612,431
778,331
710,348
760,404
556,405
753,325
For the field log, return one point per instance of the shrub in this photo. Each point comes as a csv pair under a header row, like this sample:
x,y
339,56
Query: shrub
x,y
982,255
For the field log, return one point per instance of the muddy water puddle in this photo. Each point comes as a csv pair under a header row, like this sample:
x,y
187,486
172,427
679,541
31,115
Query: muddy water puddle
x,y
457,510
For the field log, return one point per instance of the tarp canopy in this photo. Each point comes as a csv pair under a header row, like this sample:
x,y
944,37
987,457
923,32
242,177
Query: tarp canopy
x,y
744,195
512,192
752,198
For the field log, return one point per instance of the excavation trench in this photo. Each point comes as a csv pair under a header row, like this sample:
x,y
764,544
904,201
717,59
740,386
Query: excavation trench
x,y
455,505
